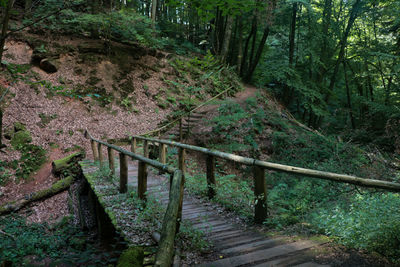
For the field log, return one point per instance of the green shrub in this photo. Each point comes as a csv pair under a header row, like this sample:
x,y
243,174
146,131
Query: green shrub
x,y
370,221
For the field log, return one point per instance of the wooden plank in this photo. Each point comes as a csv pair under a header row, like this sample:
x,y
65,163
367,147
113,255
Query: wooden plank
x,y
261,255
238,241
249,247
311,264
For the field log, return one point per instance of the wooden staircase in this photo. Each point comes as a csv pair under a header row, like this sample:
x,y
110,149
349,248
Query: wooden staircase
x,y
183,129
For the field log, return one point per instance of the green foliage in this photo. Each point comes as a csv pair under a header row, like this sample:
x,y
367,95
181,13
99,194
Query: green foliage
x,y
32,158
369,221
4,173
62,243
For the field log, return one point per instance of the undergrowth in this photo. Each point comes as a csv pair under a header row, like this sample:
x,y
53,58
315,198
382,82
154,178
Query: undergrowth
x,y
35,244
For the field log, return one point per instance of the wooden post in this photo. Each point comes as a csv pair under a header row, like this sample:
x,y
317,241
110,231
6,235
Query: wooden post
x,y
94,150
123,173
163,154
146,149
111,163
181,160
180,131
165,252
260,192
133,145
100,155
210,162
142,180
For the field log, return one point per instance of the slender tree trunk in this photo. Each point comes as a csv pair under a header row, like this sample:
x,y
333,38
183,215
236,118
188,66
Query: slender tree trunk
x,y
288,92
343,43
4,29
348,93
240,45
252,32
227,38
260,49
154,11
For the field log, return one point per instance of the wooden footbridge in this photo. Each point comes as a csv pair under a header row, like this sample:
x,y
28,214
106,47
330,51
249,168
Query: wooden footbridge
x,y
233,245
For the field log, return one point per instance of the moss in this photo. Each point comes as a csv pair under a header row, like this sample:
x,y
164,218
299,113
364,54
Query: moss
x,y
18,126
55,188
21,138
126,88
132,257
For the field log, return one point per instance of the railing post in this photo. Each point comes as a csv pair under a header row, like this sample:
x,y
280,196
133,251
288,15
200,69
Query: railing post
x,y
260,192
142,180
111,163
180,130
123,173
163,154
146,148
133,145
210,162
181,163
100,155
94,150
181,160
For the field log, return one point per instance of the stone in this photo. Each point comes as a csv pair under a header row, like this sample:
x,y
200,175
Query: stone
x,y
132,257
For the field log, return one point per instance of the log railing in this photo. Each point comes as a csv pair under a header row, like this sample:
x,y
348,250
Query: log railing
x,y
259,167
173,214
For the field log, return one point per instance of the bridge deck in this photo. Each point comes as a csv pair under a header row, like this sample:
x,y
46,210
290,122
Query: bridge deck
x,y
232,245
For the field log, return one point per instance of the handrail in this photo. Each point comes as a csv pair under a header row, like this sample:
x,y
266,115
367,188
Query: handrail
x,y
173,213
154,163
187,113
390,186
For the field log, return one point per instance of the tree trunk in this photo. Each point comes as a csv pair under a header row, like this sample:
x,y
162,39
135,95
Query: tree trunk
x,y
348,93
56,188
67,165
288,92
4,30
343,43
260,49
240,45
227,38
153,11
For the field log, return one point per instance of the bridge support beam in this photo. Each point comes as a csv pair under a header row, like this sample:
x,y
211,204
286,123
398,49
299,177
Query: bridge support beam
x,y
260,192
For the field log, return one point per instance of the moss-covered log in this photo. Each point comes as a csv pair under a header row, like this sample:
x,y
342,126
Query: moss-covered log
x,y
56,188
68,165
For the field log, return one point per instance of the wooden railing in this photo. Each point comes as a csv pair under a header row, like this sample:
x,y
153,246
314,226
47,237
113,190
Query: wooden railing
x,y
173,214
259,167
174,210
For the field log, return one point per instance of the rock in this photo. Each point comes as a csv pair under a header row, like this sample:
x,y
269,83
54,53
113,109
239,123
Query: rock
x,y
132,257
21,138
48,65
